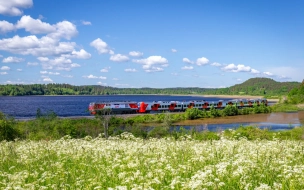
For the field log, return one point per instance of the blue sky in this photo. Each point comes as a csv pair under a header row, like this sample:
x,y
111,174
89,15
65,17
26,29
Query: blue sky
x,y
158,44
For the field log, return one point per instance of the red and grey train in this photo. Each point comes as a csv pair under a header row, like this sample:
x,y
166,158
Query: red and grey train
x,y
171,106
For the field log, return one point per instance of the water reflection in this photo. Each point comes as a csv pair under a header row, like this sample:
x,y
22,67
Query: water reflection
x,y
222,127
272,121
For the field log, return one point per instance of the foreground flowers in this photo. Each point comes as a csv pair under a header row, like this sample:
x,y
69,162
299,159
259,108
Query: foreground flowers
x,y
126,162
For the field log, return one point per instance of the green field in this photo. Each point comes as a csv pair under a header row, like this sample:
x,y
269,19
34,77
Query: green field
x,y
126,162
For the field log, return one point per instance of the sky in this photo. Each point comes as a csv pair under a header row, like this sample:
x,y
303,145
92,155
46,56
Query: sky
x,y
150,43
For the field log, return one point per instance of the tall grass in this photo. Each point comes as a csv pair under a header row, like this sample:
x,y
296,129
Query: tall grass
x,y
126,162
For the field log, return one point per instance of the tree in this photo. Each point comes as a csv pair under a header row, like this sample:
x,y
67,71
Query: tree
x,y
104,116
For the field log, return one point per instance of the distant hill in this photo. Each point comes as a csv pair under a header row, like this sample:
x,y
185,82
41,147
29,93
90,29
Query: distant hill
x,y
258,86
254,86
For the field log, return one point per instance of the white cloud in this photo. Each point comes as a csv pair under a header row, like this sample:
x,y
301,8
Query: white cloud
x,y
52,73
31,45
115,79
82,54
90,77
202,61
150,62
216,64
119,58
5,68
6,27
105,70
49,44
174,50
73,65
12,60
286,72
86,22
102,83
284,77
43,59
58,63
94,77
130,70
118,84
19,70
64,29
3,73
186,60
40,17
34,26
43,72
187,68
239,80
32,63
101,46
175,74
136,53
47,79
236,68
13,7
253,71
154,69
268,73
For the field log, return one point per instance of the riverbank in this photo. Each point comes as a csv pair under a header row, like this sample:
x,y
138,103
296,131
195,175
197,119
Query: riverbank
x,y
278,118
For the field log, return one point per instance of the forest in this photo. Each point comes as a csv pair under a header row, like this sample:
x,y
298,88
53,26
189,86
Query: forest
x,y
254,86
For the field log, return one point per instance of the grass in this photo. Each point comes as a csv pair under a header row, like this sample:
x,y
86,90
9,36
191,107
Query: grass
x,y
284,107
127,162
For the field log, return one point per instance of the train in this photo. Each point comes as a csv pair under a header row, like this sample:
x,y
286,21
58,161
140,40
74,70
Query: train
x,y
132,107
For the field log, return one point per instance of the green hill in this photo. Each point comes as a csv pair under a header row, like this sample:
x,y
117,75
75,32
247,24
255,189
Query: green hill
x,y
258,86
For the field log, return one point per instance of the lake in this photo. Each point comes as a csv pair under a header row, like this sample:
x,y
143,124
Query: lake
x,y
66,106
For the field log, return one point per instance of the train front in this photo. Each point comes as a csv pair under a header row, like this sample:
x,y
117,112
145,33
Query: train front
x,y
94,107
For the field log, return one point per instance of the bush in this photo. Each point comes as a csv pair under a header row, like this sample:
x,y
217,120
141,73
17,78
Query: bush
x,y
193,113
214,112
8,131
249,132
158,132
230,110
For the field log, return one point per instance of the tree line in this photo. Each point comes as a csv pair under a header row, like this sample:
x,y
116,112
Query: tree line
x,y
254,86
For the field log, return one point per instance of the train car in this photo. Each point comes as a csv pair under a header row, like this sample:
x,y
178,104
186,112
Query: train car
x,y
114,107
160,106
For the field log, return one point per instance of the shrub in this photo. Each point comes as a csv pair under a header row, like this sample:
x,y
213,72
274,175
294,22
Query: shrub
x,y
214,112
193,113
230,110
158,132
7,130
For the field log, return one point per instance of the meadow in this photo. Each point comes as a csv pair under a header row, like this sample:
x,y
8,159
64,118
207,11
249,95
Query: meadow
x,y
53,153
127,162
